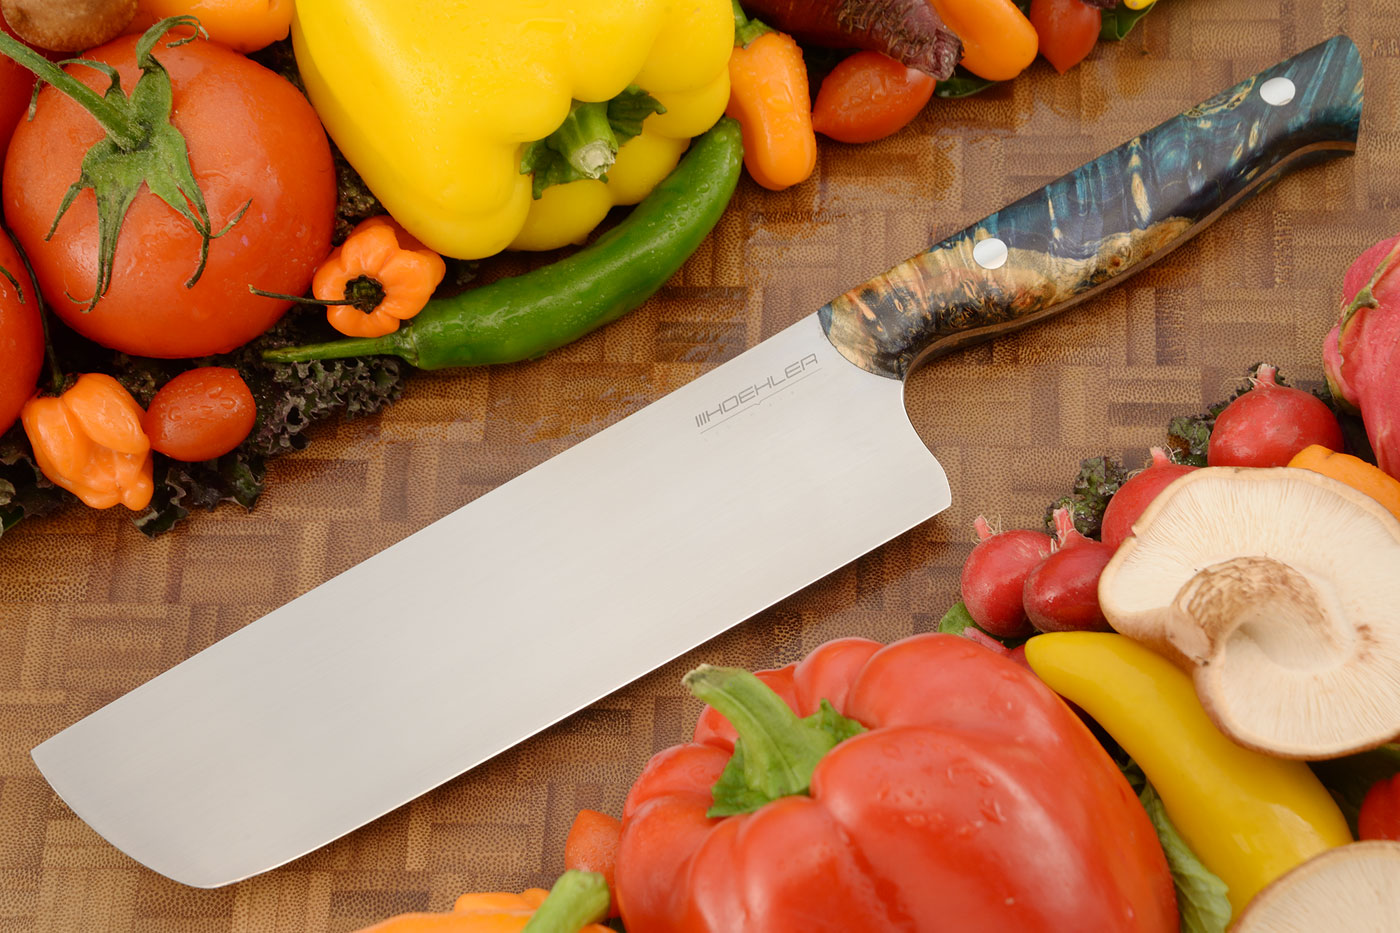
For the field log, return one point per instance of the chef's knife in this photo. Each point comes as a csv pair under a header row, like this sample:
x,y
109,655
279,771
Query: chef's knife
x,y
650,537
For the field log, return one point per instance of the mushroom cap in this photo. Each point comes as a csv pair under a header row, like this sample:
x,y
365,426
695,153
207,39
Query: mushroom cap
x,y
1279,589
1350,889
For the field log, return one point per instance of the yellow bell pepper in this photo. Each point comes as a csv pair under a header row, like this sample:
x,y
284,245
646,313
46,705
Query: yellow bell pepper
x,y
1248,817
1138,4
432,103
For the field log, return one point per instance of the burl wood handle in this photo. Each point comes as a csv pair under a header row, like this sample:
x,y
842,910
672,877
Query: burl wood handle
x,y
1106,219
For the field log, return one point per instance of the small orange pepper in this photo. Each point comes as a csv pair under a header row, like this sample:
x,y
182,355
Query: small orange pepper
x,y
998,41
577,899
386,275
769,96
90,442
242,25
1353,471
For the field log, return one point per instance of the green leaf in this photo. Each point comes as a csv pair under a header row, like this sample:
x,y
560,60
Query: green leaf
x,y
24,491
956,620
1099,478
1348,779
585,145
963,83
1120,20
1201,897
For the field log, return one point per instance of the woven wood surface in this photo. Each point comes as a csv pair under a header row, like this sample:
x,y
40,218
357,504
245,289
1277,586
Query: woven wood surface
x,y
89,608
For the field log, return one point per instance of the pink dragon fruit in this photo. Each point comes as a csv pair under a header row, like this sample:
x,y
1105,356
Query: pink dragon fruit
x,y
1361,355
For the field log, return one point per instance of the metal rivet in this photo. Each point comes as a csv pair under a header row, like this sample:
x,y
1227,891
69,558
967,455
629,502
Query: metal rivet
x,y
990,253
1277,91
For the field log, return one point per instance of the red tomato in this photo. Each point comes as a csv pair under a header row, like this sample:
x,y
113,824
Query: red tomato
x,y
21,337
1068,30
869,96
1380,811
200,414
251,136
16,85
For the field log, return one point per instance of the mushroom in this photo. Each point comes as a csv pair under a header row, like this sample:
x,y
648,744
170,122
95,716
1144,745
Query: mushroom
x,y
68,25
1279,591
1350,889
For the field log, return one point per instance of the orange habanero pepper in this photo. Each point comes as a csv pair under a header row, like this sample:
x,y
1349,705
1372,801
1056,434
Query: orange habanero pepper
x,y
768,95
90,442
576,900
998,41
382,276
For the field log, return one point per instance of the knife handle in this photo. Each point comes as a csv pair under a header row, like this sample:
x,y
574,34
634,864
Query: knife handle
x,y
1106,219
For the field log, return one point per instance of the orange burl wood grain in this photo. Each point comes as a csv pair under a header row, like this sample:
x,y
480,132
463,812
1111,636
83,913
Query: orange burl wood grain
x,y
89,608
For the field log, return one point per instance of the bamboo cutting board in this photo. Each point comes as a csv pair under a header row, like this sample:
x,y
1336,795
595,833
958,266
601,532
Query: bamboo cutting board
x,y
89,608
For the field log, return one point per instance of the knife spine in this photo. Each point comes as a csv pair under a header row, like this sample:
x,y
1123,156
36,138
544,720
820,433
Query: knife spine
x,y
1105,220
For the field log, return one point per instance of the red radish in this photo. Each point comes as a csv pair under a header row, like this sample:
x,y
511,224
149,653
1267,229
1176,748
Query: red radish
x,y
1361,355
1269,424
994,574
1134,496
1062,593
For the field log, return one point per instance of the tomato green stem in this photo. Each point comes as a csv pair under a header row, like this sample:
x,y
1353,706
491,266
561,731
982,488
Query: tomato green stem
x,y
577,899
118,127
56,376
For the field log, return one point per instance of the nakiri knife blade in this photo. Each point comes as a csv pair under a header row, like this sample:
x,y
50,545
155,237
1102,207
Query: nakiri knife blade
x,y
646,539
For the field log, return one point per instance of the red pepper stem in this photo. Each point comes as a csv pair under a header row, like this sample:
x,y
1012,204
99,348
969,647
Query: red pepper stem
x,y
112,119
577,899
780,751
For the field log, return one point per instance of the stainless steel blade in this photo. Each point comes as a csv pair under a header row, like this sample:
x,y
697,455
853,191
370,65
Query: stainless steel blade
x,y
558,587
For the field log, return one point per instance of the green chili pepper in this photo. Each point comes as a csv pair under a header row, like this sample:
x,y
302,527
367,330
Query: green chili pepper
x,y
528,315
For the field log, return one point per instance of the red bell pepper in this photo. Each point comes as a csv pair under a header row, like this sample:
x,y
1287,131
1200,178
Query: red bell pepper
x,y
941,788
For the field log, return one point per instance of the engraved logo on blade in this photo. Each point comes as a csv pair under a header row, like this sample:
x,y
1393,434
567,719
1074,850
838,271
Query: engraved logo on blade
x,y
757,393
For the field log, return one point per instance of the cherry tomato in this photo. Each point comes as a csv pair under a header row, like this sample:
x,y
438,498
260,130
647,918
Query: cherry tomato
x,y
252,137
869,96
21,336
200,414
1068,30
1380,811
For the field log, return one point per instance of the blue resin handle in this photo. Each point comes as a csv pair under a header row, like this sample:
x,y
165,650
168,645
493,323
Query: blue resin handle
x,y
1106,219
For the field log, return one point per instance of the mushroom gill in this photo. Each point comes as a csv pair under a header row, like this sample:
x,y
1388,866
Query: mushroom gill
x,y
1279,589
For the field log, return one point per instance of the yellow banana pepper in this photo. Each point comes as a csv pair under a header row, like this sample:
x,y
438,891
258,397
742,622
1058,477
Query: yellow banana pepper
x,y
432,103
1248,817
1138,4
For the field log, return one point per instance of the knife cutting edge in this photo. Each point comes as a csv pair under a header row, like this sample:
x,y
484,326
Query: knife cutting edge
x,y
648,538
